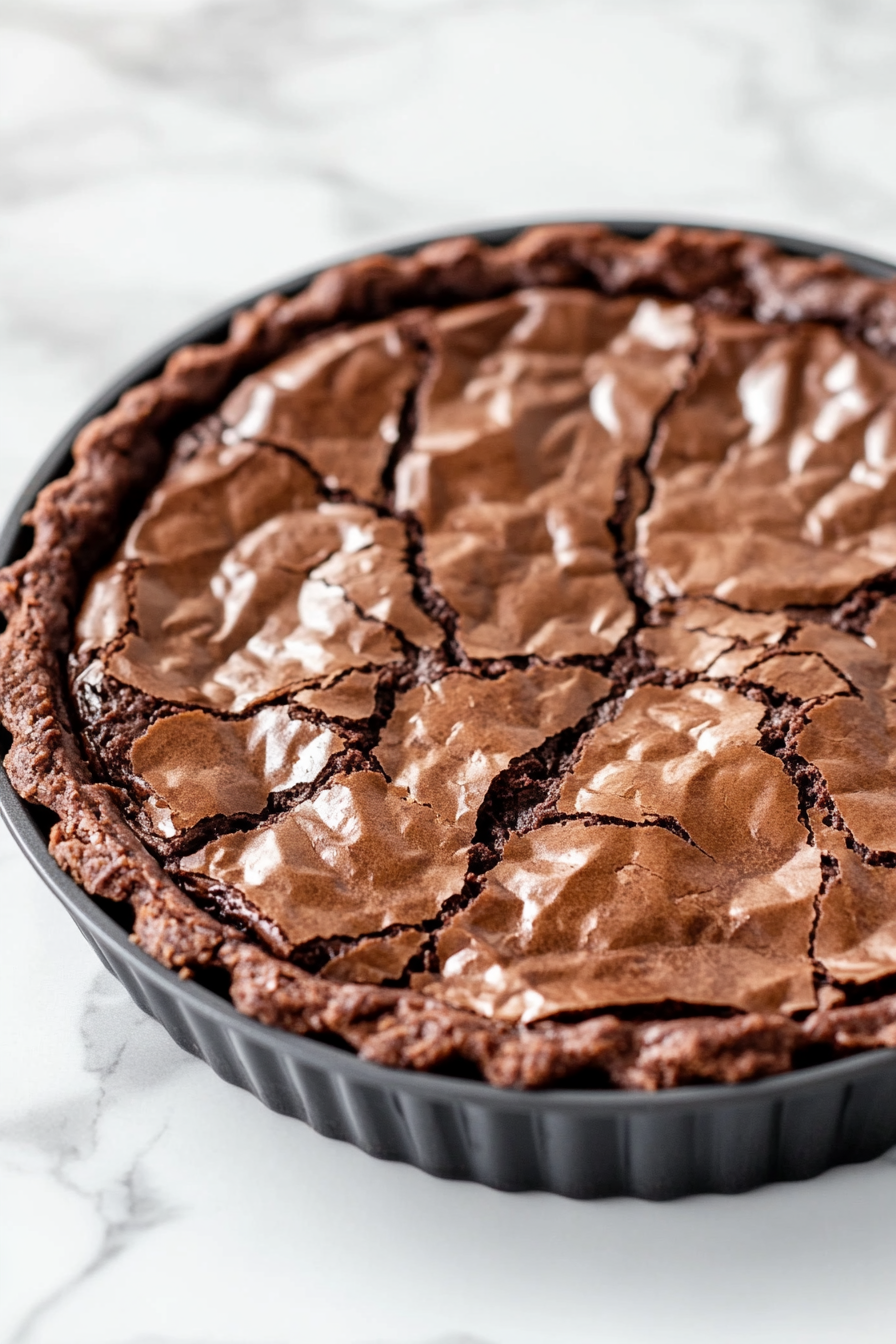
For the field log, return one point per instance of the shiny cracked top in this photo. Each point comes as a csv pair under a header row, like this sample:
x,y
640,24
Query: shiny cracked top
x,y
537,653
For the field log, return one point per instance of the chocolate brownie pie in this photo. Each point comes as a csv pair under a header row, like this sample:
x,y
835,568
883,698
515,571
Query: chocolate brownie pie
x,y
486,659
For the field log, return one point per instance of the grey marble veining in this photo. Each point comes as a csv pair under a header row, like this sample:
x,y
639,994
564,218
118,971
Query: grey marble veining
x,y
157,157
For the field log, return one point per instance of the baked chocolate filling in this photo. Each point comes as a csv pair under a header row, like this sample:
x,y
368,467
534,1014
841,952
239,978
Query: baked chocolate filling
x,y
501,673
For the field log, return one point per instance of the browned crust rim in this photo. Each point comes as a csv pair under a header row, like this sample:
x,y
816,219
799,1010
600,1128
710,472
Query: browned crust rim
x,y
119,455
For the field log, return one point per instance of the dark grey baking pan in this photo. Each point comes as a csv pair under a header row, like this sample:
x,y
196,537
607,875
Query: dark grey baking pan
x,y
577,1142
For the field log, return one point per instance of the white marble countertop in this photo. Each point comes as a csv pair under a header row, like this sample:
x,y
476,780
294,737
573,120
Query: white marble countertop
x,y
157,157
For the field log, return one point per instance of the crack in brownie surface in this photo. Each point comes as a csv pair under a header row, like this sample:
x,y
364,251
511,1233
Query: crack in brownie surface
x,y
491,666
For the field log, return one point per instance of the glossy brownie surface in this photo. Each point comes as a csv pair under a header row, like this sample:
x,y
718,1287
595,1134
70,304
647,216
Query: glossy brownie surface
x,y
498,671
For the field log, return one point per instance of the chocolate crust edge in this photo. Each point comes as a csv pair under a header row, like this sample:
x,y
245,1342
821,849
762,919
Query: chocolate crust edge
x,y
120,455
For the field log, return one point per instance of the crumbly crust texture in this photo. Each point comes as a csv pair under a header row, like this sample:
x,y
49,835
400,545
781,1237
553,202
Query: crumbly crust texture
x,y
486,639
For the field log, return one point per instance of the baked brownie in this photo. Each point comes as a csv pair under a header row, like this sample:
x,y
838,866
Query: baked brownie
x,y
488,659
